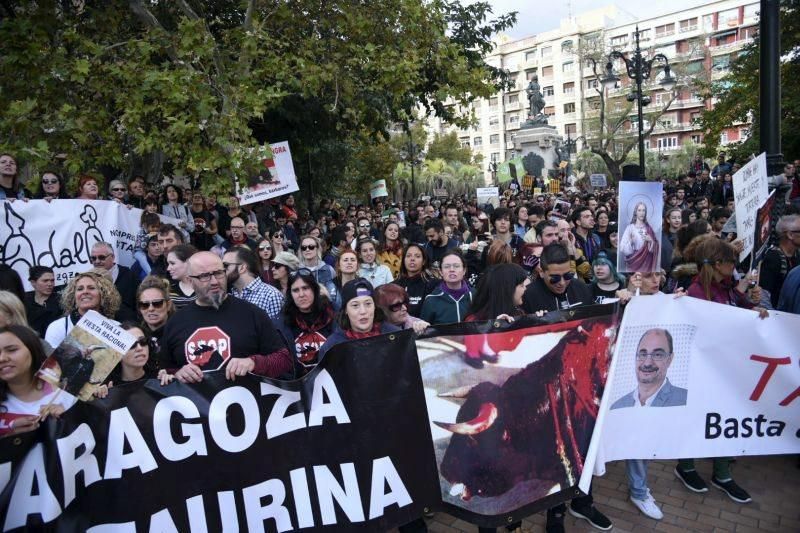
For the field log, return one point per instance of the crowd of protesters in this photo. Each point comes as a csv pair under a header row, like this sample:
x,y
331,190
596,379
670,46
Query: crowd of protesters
x,y
288,282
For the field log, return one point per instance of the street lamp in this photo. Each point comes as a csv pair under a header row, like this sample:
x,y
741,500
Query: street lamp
x,y
493,170
638,69
570,144
412,156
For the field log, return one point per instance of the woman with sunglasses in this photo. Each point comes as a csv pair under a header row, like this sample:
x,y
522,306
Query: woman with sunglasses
x,y
359,317
90,291
51,187
181,288
451,300
377,274
276,238
307,320
415,277
311,259
284,264
155,306
117,191
265,255
393,301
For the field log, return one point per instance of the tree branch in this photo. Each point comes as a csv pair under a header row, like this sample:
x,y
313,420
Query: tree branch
x,y
187,9
150,21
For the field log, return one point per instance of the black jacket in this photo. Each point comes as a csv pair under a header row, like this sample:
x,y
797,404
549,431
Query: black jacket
x,y
126,284
538,297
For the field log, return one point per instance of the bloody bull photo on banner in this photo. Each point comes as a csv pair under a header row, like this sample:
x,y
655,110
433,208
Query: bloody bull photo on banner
x,y
516,430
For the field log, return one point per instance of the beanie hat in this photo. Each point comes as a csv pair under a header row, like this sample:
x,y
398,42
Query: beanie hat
x,y
354,289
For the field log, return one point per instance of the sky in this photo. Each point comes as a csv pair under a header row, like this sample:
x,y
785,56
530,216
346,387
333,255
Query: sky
x,y
537,16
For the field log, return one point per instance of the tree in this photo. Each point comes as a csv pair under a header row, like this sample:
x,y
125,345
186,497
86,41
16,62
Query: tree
x,y
448,147
611,124
197,85
736,94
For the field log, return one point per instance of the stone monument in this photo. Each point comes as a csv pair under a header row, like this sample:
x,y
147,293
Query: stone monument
x,y
536,136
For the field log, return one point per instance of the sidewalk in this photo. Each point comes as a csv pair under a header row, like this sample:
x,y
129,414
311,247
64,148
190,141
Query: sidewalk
x,y
772,481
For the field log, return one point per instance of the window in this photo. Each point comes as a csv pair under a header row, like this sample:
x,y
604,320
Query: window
x,y
513,120
694,116
530,56
495,156
529,74
592,84
547,72
465,143
695,67
566,48
723,139
647,144
568,67
569,108
708,23
729,18
697,139
666,121
547,51
664,30
513,99
619,40
721,63
570,129
594,104
477,141
751,11
550,111
548,91
644,35
494,120
493,101
688,25
667,142
494,138
662,98
748,33
569,88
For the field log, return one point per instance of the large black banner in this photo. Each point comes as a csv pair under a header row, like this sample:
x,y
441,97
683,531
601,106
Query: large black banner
x,y
383,429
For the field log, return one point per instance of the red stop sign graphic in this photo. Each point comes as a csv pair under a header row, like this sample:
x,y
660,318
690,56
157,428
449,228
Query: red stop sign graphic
x,y
208,347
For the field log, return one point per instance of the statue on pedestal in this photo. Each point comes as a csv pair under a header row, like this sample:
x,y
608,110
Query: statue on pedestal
x,y
536,117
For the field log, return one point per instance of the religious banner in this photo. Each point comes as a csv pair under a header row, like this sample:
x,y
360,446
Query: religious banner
x,y
750,189
640,208
511,429
685,385
275,178
60,234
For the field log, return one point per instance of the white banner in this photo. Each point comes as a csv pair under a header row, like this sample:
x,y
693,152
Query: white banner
x,y
716,381
60,234
277,178
377,189
750,191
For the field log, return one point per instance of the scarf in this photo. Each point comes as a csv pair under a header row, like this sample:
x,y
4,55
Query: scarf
x,y
455,294
310,323
376,330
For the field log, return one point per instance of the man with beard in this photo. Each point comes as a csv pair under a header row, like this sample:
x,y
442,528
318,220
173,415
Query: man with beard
x,y
438,242
205,225
241,273
216,328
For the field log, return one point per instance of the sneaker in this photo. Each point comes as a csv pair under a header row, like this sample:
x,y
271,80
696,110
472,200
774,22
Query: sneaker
x,y
648,507
692,480
593,516
734,491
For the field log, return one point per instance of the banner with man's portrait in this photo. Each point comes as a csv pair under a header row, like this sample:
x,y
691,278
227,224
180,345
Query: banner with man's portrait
x,y
692,378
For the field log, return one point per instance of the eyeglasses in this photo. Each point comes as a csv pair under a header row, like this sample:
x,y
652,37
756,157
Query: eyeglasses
x,y
267,247
395,307
226,265
96,258
141,341
308,247
206,276
656,355
49,182
556,278
155,304
118,189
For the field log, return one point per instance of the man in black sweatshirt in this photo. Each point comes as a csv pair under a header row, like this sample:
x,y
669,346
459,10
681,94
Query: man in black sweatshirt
x,y
557,287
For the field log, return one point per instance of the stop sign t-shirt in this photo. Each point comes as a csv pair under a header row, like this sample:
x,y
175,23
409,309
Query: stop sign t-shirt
x,y
208,337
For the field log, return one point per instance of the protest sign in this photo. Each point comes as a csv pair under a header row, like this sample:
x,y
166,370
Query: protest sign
x,y
275,179
488,195
598,180
527,182
762,229
86,356
750,192
246,454
714,388
640,208
440,193
60,234
377,189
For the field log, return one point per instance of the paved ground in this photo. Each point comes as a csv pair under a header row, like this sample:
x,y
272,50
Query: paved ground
x,y
773,482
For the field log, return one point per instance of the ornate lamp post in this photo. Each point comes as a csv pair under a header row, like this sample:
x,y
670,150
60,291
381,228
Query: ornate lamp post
x,y
638,69
412,156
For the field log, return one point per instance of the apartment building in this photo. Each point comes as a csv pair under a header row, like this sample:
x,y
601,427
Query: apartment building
x,y
699,42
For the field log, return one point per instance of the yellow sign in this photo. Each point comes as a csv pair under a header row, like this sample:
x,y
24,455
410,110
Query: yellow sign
x,y
527,182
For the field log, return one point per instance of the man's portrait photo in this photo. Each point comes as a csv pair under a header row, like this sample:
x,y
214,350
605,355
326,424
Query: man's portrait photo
x,y
654,355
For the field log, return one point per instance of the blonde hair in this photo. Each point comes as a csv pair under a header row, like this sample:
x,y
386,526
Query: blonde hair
x,y
13,309
109,296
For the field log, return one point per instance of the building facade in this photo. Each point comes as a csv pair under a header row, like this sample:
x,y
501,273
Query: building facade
x,y
699,42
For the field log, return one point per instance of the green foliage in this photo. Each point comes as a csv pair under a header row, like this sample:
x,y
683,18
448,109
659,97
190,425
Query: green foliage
x,y
448,147
737,93
197,86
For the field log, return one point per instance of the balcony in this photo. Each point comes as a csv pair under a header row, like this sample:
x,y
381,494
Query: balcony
x,y
686,102
513,106
729,47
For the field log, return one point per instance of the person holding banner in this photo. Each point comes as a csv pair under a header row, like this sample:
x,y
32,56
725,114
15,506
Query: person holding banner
x,y
51,186
416,278
715,283
25,400
9,183
451,300
154,301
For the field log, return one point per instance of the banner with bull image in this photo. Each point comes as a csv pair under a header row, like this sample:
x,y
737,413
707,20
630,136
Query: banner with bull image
x,y
510,438
691,378
60,234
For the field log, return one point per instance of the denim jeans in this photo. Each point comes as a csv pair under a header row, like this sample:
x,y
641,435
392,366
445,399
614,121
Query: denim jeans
x,y
637,478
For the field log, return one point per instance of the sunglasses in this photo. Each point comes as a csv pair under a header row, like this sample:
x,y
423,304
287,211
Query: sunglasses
x,y
363,225
301,272
49,182
118,189
155,304
278,236
95,258
395,307
556,278
265,247
141,341
308,247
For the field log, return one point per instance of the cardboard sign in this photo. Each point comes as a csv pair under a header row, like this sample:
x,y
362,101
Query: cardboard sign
x,y
598,180
377,189
277,178
441,193
750,191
